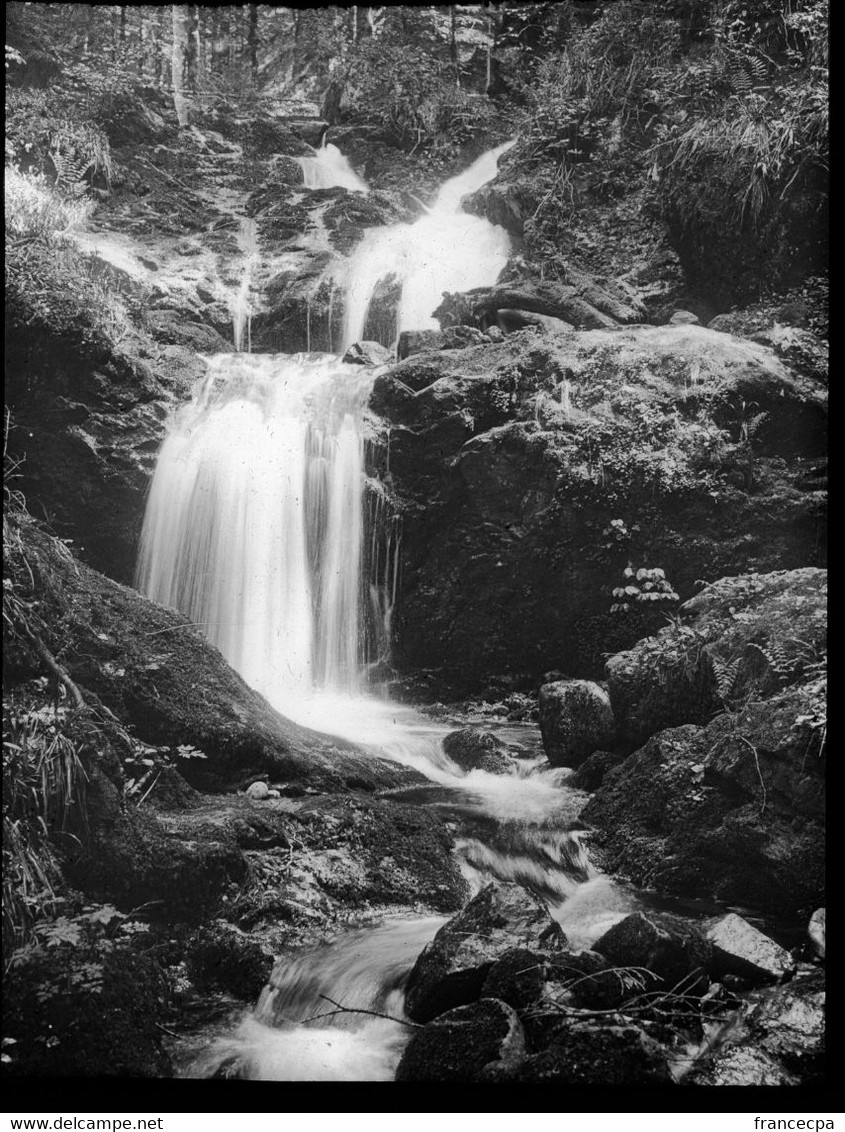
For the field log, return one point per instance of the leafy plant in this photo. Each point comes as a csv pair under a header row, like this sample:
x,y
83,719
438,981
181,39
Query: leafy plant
x,y
642,586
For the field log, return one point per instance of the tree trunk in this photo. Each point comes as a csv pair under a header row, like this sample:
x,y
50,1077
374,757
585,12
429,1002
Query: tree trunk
x,y
252,41
453,44
179,60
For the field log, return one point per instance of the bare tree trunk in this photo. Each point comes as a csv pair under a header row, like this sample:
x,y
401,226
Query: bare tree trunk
x,y
453,44
179,60
252,40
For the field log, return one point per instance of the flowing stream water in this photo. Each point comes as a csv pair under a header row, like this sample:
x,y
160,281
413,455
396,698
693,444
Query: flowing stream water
x,y
257,528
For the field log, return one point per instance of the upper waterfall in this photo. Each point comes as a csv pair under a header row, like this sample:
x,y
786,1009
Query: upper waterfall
x,y
329,168
445,250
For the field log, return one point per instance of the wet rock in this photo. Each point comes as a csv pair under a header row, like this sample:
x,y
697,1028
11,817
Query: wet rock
x,y
740,949
368,354
258,790
451,969
575,720
460,1043
518,978
815,930
780,1041
592,771
668,946
220,957
418,342
599,1056
478,750
458,337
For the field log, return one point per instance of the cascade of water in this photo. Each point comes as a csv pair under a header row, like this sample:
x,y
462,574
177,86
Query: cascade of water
x,y
239,304
445,250
329,168
253,525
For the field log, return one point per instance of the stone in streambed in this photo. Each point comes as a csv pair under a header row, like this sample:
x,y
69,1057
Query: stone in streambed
x,y
459,1044
478,750
740,949
451,970
367,354
221,957
669,947
575,720
815,930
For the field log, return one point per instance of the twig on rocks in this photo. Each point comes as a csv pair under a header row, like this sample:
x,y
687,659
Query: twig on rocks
x,y
353,1010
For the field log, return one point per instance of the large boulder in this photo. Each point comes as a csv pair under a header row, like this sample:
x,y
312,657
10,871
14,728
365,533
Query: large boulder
x,y
451,970
460,1043
576,719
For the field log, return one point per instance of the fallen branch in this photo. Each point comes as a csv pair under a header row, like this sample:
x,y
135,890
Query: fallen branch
x,y
54,666
353,1010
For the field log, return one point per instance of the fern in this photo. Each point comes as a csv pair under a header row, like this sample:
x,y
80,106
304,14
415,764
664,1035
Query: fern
x,y
782,665
726,673
70,172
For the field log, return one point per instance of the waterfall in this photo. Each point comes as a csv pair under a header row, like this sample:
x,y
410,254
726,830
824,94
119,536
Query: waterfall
x,y
444,250
254,524
329,168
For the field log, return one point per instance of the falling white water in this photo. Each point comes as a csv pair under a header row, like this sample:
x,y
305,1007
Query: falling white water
x,y
254,523
239,304
329,168
445,250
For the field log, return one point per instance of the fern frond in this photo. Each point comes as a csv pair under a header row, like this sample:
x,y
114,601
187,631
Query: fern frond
x,y
725,672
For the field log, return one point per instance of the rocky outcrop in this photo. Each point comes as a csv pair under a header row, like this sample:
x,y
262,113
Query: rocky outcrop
x,y
779,1041
510,463
740,638
452,969
733,809
575,720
